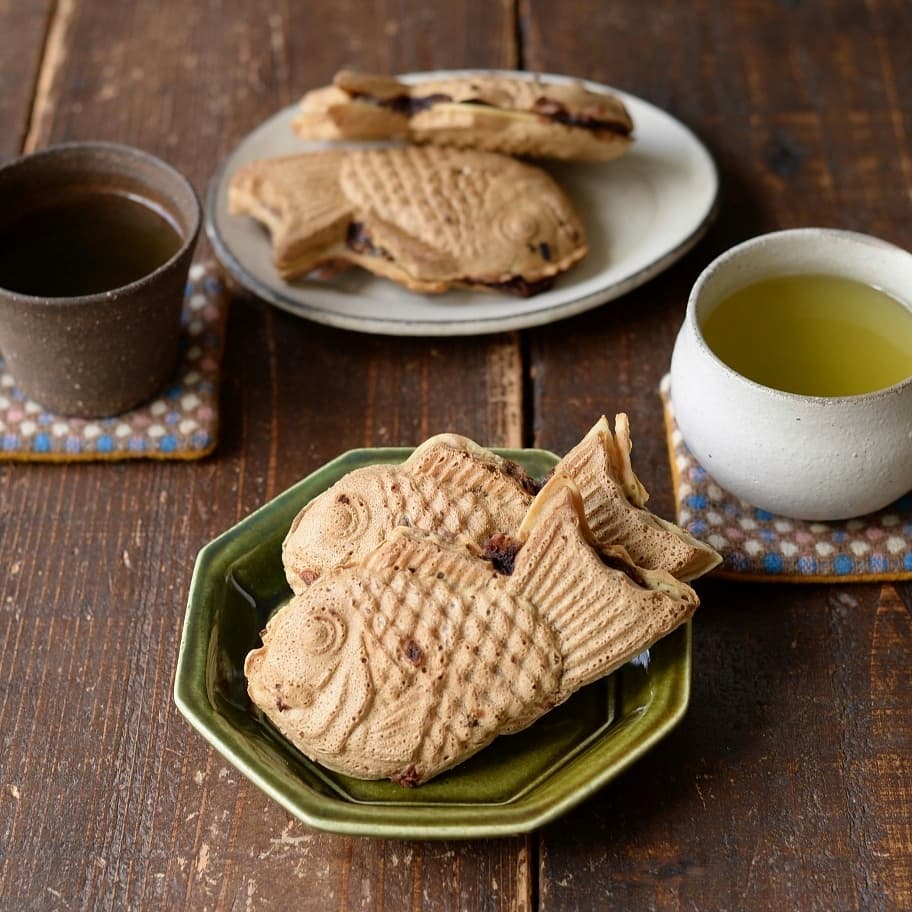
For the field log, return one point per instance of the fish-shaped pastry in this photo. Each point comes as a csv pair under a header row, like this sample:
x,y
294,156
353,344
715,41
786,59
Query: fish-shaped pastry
x,y
451,486
408,662
497,112
428,218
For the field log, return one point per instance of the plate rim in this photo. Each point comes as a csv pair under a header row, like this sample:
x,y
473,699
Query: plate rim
x,y
476,326
427,821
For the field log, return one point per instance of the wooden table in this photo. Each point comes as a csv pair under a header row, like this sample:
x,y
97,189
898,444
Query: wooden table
x,y
789,783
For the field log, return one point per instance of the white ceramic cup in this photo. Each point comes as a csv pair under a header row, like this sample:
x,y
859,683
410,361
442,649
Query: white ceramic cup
x,y
805,457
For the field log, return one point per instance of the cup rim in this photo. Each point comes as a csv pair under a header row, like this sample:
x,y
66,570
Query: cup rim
x,y
742,249
126,151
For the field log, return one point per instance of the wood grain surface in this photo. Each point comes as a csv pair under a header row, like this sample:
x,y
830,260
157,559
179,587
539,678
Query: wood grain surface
x,y
789,783
784,788
23,27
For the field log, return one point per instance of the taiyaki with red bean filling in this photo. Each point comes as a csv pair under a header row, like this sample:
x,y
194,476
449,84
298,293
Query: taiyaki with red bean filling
x,y
428,218
451,486
497,112
410,661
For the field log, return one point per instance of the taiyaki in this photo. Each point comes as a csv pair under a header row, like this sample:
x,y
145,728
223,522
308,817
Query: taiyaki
x,y
452,486
408,662
490,111
427,218
449,486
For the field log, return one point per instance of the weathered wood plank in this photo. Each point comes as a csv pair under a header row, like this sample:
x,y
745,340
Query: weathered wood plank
x,y
109,800
23,28
783,787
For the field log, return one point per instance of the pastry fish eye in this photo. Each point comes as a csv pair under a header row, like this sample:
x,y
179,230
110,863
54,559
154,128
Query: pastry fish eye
x,y
348,517
518,224
323,634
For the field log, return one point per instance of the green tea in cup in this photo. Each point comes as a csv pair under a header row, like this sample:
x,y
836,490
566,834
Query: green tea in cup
x,y
813,334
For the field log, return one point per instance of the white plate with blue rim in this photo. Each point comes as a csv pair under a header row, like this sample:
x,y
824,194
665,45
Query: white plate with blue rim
x,y
642,212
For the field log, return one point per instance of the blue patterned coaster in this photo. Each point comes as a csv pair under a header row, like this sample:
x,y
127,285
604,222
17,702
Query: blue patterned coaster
x,y
180,423
759,545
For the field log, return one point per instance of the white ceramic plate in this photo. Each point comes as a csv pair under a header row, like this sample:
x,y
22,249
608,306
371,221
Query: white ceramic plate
x,y
642,212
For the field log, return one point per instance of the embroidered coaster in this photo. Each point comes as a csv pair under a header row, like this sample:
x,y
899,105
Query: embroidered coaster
x,y
181,422
757,545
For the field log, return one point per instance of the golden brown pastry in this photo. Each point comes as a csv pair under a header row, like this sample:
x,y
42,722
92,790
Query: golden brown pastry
x,y
411,660
427,218
451,486
489,111
615,503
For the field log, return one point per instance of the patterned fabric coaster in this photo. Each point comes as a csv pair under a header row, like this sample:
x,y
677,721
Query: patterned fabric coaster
x,y
180,423
757,545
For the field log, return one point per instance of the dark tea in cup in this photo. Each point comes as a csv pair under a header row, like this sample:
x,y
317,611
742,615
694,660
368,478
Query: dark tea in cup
x,y
95,246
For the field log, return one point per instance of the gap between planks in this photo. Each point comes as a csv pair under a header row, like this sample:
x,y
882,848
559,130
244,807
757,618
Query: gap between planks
x,y
53,56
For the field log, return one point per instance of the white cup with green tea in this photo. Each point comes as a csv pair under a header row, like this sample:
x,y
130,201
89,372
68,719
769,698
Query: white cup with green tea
x,y
791,377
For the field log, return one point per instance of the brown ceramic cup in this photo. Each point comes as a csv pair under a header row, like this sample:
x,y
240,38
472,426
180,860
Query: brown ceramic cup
x,y
99,353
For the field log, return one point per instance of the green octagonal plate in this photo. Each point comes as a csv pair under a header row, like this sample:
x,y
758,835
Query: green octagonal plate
x,y
518,783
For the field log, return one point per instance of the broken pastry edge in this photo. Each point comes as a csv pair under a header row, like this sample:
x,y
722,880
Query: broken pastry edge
x,y
258,189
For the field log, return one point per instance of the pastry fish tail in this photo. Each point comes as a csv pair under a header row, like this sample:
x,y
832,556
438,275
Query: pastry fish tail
x,y
300,201
615,499
604,609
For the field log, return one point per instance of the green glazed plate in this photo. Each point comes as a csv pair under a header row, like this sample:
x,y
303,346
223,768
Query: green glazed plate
x,y
518,783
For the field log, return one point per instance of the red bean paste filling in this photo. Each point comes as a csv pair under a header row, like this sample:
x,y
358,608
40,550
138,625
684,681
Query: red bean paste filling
x,y
501,551
413,652
408,778
522,477
545,107
519,286
358,239
617,563
403,104
555,111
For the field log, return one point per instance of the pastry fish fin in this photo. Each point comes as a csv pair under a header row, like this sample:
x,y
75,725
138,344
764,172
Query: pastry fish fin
x,y
622,445
397,730
602,453
614,500
696,557
454,442
604,609
299,199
